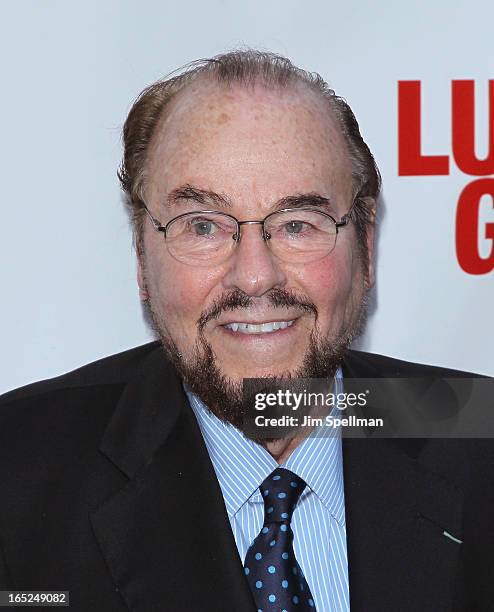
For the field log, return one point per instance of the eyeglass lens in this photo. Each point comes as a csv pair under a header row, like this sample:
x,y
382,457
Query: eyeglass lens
x,y
293,236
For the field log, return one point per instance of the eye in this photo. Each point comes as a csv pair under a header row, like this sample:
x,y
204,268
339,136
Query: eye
x,y
296,227
203,227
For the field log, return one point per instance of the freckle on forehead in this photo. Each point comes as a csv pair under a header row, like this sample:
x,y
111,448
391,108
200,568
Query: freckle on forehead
x,y
222,138
223,118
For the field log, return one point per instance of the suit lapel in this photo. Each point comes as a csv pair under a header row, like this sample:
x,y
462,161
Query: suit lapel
x,y
165,535
397,510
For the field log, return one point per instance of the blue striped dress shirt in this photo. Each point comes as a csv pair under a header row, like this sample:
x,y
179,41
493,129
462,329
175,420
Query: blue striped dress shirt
x,y
318,521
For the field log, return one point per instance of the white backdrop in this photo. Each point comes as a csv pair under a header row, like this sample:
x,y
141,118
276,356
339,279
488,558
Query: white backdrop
x,y
69,74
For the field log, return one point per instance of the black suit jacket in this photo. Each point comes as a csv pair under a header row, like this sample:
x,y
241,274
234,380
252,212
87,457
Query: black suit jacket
x,y
107,490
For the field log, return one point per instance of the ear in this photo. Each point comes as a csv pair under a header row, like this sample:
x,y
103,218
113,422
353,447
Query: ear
x,y
371,273
371,207
141,281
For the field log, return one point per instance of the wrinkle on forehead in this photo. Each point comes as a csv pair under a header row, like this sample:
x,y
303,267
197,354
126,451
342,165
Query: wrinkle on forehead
x,y
211,128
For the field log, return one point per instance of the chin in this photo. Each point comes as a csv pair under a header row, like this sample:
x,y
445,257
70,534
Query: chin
x,y
251,370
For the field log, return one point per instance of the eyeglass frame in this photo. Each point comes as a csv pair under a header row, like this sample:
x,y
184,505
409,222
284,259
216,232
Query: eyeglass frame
x,y
159,227
343,222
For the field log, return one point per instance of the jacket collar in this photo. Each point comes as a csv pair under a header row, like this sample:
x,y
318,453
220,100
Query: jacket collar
x,y
165,534
147,412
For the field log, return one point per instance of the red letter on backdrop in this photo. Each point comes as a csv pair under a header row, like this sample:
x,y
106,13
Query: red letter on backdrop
x,y
467,224
411,162
463,96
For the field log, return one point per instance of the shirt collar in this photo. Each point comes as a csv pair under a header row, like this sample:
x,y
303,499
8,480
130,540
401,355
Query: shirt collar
x,y
241,464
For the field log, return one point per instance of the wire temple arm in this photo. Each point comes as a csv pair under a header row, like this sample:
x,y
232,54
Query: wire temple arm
x,y
157,225
345,220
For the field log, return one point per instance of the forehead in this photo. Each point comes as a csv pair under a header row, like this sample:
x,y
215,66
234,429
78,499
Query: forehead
x,y
249,142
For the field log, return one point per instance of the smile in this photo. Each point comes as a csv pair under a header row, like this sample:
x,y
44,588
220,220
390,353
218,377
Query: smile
x,y
260,328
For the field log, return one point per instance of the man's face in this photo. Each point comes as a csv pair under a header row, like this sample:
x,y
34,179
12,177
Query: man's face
x,y
252,147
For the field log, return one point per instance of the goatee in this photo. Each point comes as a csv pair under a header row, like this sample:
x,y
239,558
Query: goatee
x,y
223,396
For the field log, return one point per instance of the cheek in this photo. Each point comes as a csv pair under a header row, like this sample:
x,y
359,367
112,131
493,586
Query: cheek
x,y
329,281
180,291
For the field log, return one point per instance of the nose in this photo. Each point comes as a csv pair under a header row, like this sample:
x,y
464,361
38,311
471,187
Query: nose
x,y
252,267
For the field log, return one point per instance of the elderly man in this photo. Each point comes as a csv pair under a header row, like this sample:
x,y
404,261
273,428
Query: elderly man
x,y
133,482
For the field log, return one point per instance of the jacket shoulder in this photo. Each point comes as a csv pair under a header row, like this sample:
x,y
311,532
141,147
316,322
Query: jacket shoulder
x,y
51,426
360,364
113,370
74,407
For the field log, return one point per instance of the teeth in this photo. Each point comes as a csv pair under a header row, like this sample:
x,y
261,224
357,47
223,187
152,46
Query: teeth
x,y
261,328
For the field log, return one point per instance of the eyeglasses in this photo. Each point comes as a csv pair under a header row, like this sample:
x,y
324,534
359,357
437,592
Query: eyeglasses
x,y
209,237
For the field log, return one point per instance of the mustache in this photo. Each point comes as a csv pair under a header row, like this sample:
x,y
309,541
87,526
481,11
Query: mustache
x,y
237,300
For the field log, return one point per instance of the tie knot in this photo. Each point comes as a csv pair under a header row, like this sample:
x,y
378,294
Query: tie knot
x,y
281,491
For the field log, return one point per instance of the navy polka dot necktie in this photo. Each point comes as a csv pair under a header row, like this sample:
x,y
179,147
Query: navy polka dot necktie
x,y
272,571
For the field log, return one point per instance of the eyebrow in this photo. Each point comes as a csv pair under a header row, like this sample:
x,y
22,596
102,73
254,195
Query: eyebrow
x,y
198,196
211,199
303,199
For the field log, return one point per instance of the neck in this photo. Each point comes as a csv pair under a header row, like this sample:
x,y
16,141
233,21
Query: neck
x,y
282,449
